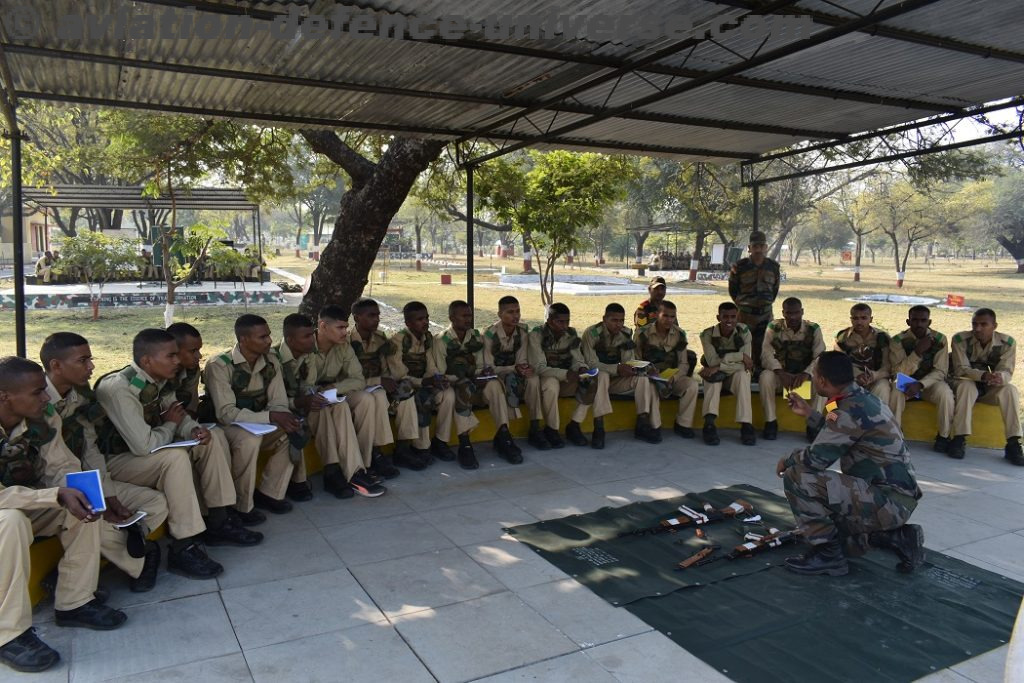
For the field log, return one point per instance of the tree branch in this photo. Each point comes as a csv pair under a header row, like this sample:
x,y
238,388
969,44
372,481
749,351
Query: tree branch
x,y
455,213
325,142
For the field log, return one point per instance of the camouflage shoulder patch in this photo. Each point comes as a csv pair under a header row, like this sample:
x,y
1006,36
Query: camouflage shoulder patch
x,y
1009,341
540,328
774,326
51,410
742,327
523,326
628,332
594,330
489,333
939,336
884,336
226,357
841,335
813,326
138,382
958,338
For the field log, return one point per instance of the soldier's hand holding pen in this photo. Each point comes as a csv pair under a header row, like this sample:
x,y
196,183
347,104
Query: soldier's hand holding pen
x,y
174,413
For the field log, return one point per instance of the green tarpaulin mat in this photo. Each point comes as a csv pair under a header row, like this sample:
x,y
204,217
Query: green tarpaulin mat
x,y
754,621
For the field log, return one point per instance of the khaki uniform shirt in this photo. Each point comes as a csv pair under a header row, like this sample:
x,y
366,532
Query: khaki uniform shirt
x,y
373,345
809,335
651,344
495,334
65,407
569,341
935,362
57,460
339,367
120,400
186,388
440,350
971,360
860,349
600,346
217,376
302,369
396,362
734,347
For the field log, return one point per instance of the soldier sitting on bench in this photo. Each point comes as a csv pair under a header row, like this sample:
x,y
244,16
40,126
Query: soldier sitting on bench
x,y
791,346
727,359
868,348
663,344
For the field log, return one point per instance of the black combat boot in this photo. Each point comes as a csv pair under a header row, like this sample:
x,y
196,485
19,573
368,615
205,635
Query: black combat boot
x,y
536,437
506,447
440,450
553,438
597,437
384,465
906,541
28,654
466,456
1013,451
771,430
710,431
957,447
826,558
941,444
645,431
685,432
408,457
335,482
748,437
298,491
574,434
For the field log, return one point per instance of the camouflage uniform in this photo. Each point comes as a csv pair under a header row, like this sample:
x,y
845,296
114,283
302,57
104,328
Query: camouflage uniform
x,y
870,352
668,353
792,351
33,464
413,364
930,370
552,358
754,288
645,314
249,393
504,352
726,353
79,411
876,489
330,427
339,367
970,360
461,361
373,353
604,352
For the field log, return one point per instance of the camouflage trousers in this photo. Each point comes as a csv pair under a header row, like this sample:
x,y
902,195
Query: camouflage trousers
x,y
758,325
831,505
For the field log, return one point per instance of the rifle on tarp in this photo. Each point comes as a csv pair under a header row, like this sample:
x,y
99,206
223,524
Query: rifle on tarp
x,y
693,518
753,544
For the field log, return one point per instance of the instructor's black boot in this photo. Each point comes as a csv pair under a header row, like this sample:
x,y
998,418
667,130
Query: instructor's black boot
x,y
906,541
826,558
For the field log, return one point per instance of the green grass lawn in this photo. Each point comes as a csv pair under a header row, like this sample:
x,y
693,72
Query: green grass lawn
x,y
822,289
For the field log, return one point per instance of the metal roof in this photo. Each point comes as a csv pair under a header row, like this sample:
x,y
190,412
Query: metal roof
x,y
858,65
131,197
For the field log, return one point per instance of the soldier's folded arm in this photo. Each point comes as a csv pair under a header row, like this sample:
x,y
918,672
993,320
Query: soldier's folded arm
x,y
218,386
125,411
25,498
711,358
962,365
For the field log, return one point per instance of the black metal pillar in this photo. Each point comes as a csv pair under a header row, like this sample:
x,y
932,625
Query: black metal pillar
x,y
469,236
18,223
757,205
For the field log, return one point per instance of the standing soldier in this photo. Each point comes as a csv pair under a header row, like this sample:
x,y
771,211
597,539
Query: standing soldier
x,y
663,344
459,356
868,503
608,346
727,359
868,349
647,311
983,362
791,345
506,349
556,355
923,354
415,364
753,286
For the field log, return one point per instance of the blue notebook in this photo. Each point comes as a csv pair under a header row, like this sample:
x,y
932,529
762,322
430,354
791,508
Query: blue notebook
x,y
89,483
903,381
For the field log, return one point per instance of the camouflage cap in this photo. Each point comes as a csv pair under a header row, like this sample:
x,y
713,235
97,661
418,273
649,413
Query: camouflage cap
x,y
758,237
657,281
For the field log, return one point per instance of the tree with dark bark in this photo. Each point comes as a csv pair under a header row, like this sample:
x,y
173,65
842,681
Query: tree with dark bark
x,y
1007,222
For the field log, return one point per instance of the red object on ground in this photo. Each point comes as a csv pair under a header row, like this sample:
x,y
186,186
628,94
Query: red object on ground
x,y
955,300
446,278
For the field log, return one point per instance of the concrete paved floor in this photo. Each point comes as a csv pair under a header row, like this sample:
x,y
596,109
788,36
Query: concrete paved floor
x,y
422,584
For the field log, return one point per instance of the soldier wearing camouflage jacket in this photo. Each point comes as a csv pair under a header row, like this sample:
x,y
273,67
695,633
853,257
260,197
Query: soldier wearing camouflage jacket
x,y
663,344
868,348
726,359
791,345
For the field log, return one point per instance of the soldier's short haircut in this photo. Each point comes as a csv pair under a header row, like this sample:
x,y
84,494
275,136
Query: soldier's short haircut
x,y
245,324
456,305
836,367
507,301
334,312
183,331
792,301
727,306
557,309
58,346
14,370
860,308
414,307
919,309
147,340
984,311
364,305
614,308
295,322
665,303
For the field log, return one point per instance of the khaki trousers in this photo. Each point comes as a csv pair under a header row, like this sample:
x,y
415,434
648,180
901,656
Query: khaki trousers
x,y
881,389
643,392
214,466
770,388
739,385
491,397
78,571
170,472
939,394
112,540
532,397
335,438
551,390
245,452
444,405
1006,397
686,389
370,417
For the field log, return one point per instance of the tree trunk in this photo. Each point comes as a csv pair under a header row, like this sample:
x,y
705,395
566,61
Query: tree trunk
x,y
1016,249
363,218
896,258
641,238
698,251
418,228
857,257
